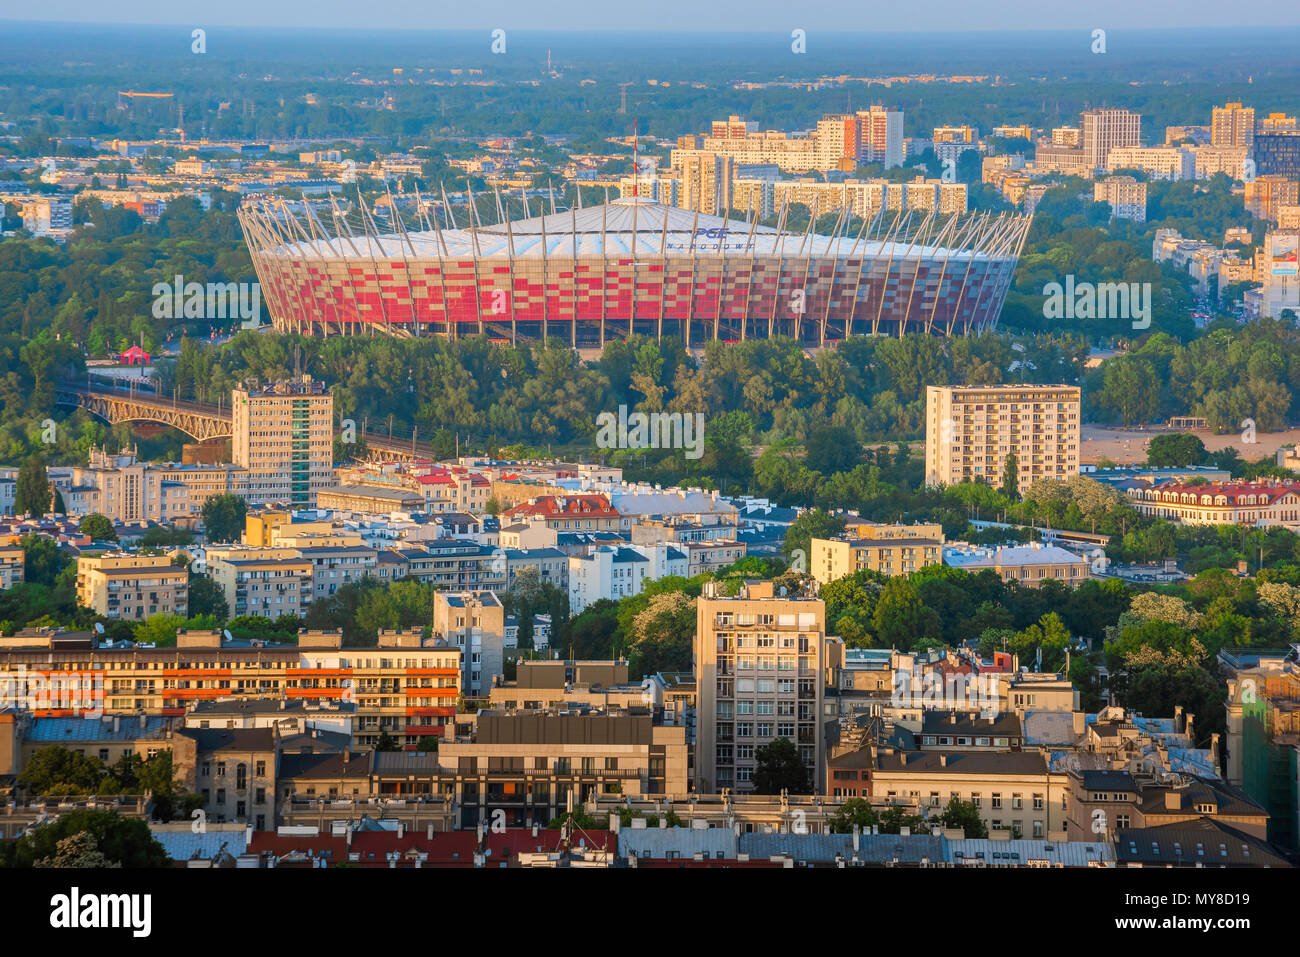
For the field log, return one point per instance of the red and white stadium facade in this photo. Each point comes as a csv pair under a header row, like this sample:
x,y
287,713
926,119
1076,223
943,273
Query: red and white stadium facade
x,y
629,266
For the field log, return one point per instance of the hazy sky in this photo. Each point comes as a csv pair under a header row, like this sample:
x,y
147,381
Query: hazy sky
x,y
694,15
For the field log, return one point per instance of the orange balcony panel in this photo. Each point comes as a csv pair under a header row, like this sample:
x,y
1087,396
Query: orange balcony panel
x,y
314,692
431,692
172,712
430,712
425,730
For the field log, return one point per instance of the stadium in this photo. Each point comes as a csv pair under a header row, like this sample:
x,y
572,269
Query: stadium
x,y
628,266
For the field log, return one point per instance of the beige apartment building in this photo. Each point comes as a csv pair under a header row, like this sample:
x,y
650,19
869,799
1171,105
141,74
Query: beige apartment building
x,y
760,671
1127,197
971,430
283,433
705,181
1232,125
132,587
1011,789
888,549
258,585
13,565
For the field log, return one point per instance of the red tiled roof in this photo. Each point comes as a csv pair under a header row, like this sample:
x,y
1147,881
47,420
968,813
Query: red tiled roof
x,y
446,848
509,843
594,506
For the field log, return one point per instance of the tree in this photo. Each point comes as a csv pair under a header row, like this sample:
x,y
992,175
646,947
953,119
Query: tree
x,y
207,598
1011,477
124,842
964,815
779,768
901,619
57,770
32,490
387,742
428,744
223,518
79,850
1175,450
853,812
98,527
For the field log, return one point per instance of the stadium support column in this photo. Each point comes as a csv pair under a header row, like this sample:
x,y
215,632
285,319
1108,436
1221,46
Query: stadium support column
x,y
749,284
690,302
862,260
780,262
604,267
546,277
920,238
891,239
947,244
835,266
573,319
663,275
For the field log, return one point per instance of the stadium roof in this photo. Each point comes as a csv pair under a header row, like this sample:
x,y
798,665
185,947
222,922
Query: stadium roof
x,y
625,226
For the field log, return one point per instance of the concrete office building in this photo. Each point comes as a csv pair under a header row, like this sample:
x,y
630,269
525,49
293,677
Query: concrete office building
x,y
970,431
1104,130
475,623
759,664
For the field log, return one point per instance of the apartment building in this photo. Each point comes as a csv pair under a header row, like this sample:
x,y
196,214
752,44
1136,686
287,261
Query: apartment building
x,y
569,513
971,431
283,434
1030,564
403,685
705,181
533,765
257,585
1012,790
888,549
1266,196
473,622
1104,802
1232,125
1126,196
13,565
122,489
606,572
759,665
1267,502
1159,162
1263,730
132,587
1230,160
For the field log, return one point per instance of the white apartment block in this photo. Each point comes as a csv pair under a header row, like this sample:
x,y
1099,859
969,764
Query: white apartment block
x,y
1160,162
970,431
1127,197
